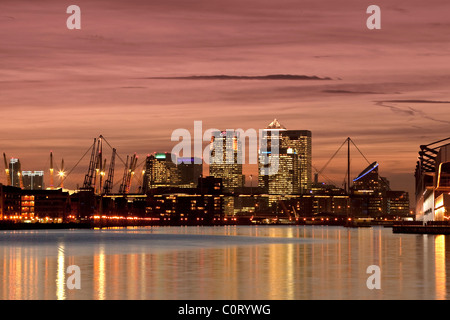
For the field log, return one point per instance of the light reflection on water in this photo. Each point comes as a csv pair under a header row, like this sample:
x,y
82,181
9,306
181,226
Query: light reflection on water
x,y
236,262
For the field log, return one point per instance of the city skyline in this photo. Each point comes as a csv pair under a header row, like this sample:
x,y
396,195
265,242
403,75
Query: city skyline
x,y
131,72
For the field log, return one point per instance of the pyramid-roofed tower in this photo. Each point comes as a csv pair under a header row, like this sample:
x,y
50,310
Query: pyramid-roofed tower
x,y
275,125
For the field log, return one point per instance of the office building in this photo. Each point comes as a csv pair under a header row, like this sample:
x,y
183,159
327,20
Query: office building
x,y
160,171
372,196
33,180
285,160
188,171
226,159
15,172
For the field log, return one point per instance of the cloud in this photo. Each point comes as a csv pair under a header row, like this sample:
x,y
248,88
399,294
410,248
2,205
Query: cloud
x,y
350,92
395,109
233,77
409,111
415,101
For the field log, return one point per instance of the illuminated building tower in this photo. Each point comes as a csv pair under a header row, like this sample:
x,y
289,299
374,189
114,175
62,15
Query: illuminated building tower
x,y
189,172
293,157
15,172
160,171
226,159
33,180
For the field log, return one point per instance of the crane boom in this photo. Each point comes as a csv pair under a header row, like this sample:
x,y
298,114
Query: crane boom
x,y
131,172
91,171
51,170
122,188
8,177
109,180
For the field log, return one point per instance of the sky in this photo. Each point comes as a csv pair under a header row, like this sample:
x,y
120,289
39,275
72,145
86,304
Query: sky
x,y
138,70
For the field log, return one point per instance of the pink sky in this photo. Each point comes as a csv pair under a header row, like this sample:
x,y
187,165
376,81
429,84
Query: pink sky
x,y
60,88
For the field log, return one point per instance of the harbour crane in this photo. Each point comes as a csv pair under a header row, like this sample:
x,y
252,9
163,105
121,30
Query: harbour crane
x,y
88,178
8,177
107,188
51,170
128,174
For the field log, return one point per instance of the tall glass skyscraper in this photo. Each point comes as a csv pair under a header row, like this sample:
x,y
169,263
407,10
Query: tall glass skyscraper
x,y
293,174
15,172
226,159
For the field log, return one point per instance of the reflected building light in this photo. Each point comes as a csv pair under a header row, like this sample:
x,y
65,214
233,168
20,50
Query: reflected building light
x,y
440,274
99,266
60,275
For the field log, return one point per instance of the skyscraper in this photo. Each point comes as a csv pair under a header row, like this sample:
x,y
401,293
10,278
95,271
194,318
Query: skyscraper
x,y
188,171
15,172
226,159
33,180
293,158
160,171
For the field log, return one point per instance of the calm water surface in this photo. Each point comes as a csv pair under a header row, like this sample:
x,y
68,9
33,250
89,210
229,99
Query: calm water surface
x,y
235,262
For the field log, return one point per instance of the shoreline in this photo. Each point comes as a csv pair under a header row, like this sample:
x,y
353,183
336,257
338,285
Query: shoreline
x,y
11,226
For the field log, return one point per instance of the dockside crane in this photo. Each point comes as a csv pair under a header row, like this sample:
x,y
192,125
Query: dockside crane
x,y
128,174
124,177
8,177
51,170
88,178
132,172
107,188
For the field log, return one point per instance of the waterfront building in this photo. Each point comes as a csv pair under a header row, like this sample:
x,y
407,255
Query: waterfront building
x,y
372,196
433,182
397,203
185,208
293,160
45,205
10,202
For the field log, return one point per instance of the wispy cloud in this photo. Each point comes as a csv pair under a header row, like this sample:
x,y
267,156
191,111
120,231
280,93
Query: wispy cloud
x,y
350,92
410,111
241,77
415,101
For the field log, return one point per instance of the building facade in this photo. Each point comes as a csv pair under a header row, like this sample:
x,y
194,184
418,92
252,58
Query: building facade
x,y
33,180
433,183
160,171
226,161
15,172
290,151
189,171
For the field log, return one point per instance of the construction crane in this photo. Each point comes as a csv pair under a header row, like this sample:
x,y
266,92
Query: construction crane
x,y
51,170
107,188
8,177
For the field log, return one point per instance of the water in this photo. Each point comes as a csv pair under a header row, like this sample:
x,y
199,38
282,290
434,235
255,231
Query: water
x,y
226,263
